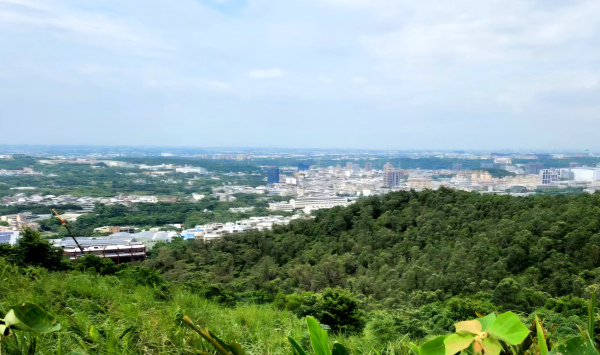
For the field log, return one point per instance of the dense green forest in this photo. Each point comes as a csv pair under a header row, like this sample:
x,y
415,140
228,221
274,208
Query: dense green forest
x,y
430,255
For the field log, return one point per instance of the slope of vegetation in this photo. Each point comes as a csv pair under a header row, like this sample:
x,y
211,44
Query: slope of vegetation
x,y
434,256
377,275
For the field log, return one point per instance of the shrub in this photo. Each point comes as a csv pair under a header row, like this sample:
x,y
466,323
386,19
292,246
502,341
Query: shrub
x,y
93,263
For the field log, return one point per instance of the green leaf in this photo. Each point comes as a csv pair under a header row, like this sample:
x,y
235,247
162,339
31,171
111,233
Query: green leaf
x,y
487,321
507,327
318,337
296,346
433,347
468,326
540,337
31,318
339,349
236,348
575,346
414,348
221,342
491,346
455,343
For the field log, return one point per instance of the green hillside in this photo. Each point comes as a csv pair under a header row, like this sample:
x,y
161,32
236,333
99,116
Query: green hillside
x,y
377,275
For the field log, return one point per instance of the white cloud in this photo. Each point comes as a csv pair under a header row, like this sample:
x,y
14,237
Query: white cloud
x,y
266,73
325,79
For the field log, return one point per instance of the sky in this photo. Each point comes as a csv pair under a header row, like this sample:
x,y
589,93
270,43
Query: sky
x,y
367,74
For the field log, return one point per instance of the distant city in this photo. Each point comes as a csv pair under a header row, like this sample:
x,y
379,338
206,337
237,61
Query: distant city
x,y
290,184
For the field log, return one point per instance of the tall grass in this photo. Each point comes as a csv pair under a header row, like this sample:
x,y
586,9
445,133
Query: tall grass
x,y
108,315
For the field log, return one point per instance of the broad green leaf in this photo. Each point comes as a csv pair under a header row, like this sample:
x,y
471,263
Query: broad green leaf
x,y
296,346
455,343
414,348
507,327
433,347
221,342
575,346
469,326
491,346
486,321
540,337
32,318
339,349
318,337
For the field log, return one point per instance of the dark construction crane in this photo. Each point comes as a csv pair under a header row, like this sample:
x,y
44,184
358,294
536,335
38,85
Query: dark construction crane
x,y
64,223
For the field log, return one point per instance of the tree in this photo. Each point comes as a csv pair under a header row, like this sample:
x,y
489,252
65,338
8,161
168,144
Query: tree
x,y
32,250
340,310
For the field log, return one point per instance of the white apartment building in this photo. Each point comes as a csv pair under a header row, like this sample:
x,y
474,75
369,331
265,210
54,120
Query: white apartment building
x,y
586,174
547,176
309,202
191,169
8,235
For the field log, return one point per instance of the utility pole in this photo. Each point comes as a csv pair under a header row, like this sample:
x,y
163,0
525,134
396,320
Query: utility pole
x,y
64,223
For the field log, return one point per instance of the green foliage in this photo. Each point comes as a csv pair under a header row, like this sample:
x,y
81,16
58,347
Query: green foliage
x,y
386,328
318,340
32,250
336,308
26,317
93,263
575,346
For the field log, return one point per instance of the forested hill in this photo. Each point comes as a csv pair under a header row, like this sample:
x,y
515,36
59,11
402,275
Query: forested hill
x,y
414,248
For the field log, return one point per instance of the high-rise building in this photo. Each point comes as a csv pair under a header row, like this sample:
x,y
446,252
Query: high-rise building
x,y
548,176
391,176
349,165
303,167
368,166
272,175
533,168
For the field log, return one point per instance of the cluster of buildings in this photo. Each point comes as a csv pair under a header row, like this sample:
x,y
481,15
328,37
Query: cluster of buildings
x,y
23,172
216,230
86,203
23,220
308,204
152,169
328,184
324,182
226,193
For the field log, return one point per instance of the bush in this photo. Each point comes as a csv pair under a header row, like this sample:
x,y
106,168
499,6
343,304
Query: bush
x,y
93,263
386,328
214,292
32,250
339,309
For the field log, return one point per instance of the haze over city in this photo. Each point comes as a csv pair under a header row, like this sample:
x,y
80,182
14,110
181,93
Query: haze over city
x,y
379,74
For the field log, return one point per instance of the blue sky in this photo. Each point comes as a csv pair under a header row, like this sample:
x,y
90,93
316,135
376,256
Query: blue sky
x,y
381,74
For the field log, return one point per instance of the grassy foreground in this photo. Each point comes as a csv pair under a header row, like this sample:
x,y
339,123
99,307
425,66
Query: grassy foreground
x,y
108,315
